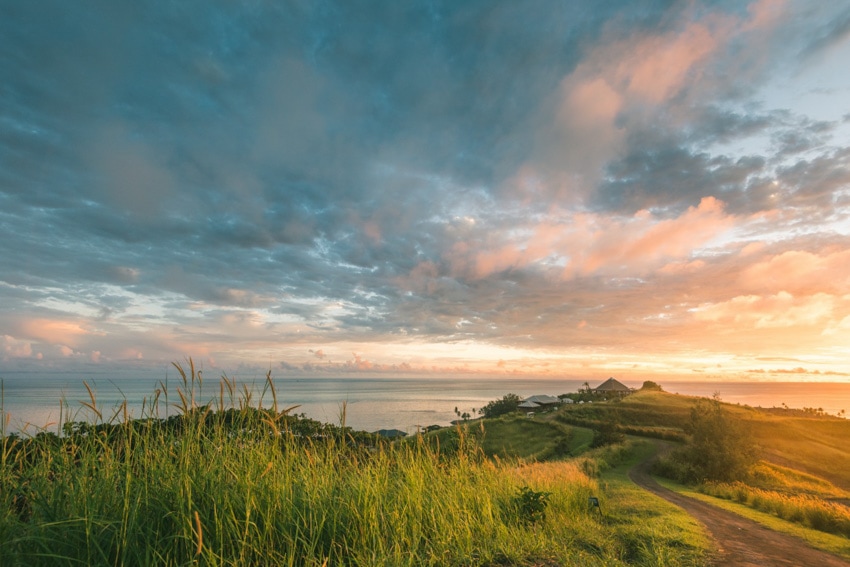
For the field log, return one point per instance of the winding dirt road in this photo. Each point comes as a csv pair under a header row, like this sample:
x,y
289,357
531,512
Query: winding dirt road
x,y
740,542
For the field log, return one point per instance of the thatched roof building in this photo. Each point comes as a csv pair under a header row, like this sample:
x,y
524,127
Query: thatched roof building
x,y
612,386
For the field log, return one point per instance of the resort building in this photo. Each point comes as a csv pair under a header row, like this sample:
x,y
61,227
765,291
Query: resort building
x,y
612,386
542,400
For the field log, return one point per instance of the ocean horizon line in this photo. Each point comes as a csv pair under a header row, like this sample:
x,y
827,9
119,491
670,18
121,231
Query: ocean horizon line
x,y
382,402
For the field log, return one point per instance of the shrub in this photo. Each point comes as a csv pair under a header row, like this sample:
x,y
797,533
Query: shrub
x,y
508,404
608,433
719,448
529,506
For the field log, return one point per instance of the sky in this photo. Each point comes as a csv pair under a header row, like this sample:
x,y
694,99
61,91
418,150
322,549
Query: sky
x,y
643,189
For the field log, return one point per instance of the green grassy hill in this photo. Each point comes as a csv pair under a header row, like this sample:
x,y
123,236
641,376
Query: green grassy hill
x,y
816,444
802,474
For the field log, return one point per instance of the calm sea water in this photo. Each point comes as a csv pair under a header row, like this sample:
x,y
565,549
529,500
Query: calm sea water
x,y
32,401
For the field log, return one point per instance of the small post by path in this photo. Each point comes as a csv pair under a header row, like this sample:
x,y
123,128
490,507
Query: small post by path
x,y
594,503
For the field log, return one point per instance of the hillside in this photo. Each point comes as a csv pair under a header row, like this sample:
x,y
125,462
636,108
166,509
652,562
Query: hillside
x,y
816,444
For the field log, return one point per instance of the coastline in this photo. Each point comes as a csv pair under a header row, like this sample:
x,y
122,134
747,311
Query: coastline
x,y
369,404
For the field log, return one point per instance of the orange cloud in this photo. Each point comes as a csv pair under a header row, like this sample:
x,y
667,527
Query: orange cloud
x,y
655,68
765,13
14,348
588,113
358,363
676,268
54,331
584,243
773,311
490,262
801,272
752,248
643,242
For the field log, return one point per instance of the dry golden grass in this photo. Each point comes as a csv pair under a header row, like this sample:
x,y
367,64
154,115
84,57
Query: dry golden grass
x,y
810,511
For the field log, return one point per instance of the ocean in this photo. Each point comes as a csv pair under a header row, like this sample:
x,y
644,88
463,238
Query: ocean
x,y
32,402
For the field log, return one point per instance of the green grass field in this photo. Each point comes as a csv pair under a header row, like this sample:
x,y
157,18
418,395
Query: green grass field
x,y
231,484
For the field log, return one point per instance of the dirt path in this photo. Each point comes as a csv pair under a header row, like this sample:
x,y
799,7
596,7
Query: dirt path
x,y
740,542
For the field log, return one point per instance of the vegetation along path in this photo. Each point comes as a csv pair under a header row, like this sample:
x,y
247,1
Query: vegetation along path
x,y
740,541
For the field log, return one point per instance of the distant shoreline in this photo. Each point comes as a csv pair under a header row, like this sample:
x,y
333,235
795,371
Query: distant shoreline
x,y
373,403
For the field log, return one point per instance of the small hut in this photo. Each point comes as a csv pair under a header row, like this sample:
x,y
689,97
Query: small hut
x,y
613,387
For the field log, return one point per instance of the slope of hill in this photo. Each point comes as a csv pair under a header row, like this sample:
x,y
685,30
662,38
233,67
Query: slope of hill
x,y
816,444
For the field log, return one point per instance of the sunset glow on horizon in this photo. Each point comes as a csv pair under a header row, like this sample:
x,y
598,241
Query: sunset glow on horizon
x,y
647,190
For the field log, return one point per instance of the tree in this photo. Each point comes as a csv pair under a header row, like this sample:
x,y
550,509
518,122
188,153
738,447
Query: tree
x,y
608,432
650,385
509,403
719,450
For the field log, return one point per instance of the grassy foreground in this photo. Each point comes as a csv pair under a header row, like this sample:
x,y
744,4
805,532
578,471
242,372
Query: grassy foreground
x,y
230,484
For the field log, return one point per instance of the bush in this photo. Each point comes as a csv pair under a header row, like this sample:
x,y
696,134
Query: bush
x,y
508,404
719,448
529,506
608,433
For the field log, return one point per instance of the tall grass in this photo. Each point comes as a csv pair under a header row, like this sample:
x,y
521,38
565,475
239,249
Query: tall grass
x,y
230,483
807,510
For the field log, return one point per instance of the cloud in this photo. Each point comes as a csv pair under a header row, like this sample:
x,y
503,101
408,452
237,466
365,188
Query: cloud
x,y
358,363
128,173
229,182
592,244
54,331
15,348
780,310
801,272
834,31
648,242
629,84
